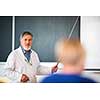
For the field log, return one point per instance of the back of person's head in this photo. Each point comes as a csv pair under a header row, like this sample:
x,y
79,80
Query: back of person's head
x,y
70,52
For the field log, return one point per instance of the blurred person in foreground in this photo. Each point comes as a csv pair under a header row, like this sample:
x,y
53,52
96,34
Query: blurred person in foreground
x,y
72,55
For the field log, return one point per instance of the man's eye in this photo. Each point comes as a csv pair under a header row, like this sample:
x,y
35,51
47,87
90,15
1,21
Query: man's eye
x,y
30,40
25,39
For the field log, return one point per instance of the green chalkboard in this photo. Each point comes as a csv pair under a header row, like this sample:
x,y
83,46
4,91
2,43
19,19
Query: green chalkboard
x,y
5,37
46,31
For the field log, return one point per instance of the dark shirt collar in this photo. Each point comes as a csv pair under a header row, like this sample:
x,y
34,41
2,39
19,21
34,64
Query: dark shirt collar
x,y
24,51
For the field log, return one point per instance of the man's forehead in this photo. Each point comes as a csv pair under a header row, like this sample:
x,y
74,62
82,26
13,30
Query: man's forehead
x,y
27,36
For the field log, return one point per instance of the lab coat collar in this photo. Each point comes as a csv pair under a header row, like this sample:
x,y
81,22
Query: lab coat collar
x,y
24,51
22,54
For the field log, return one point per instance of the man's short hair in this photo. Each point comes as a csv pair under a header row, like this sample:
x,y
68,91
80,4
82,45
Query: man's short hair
x,y
70,51
25,33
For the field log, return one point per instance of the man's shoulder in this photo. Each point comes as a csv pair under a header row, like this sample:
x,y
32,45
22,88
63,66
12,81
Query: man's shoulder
x,y
14,51
34,52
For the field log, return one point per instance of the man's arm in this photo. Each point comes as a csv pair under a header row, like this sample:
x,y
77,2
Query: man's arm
x,y
9,70
44,70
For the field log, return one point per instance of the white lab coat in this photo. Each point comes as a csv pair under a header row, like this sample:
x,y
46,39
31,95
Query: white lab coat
x,y
17,65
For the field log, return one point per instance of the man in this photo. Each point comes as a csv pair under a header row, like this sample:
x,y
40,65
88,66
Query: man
x,y
23,63
72,55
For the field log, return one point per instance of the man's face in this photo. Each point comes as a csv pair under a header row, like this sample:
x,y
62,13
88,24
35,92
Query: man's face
x,y
26,42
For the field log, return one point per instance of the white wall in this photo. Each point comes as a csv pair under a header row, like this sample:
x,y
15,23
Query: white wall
x,y
90,37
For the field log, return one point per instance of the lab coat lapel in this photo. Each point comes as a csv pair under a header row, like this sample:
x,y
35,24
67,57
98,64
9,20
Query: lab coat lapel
x,y
21,54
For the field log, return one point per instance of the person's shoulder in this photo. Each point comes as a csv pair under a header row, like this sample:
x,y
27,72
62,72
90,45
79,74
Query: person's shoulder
x,y
34,52
15,50
50,79
12,54
87,80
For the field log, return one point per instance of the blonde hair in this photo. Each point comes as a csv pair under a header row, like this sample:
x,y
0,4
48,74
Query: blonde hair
x,y
70,51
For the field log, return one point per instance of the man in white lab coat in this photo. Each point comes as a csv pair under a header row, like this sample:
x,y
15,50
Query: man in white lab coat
x,y
23,63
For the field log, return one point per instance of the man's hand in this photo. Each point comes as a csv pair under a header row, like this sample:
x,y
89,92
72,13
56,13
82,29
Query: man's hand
x,y
24,78
54,69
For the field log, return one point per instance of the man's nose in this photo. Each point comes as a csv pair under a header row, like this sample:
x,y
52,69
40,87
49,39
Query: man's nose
x,y
27,41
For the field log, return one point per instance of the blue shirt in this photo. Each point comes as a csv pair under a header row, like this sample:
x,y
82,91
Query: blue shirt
x,y
26,53
67,78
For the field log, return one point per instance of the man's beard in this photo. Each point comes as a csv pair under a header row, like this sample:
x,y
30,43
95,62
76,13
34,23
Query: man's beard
x,y
27,49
